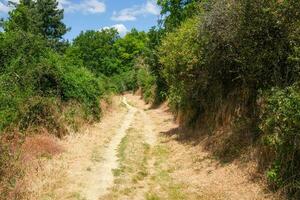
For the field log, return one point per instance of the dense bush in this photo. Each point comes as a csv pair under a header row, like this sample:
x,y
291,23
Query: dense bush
x,y
17,81
130,47
35,75
150,61
229,46
49,76
180,54
125,81
81,85
281,127
202,55
146,81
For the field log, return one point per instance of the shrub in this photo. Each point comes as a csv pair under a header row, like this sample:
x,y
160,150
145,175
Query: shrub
x,y
48,80
81,85
181,56
11,99
146,81
70,81
150,60
281,127
125,81
42,112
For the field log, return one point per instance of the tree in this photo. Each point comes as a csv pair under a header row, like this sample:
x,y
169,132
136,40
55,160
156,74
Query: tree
x,y
96,50
51,25
130,47
176,11
41,17
155,36
23,18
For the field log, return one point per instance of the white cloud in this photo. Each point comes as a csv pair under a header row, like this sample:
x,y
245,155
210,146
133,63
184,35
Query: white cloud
x,y
131,14
152,8
5,7
121,28
85,6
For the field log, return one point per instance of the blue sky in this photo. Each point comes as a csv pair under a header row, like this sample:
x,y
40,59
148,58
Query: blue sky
x,y
81,15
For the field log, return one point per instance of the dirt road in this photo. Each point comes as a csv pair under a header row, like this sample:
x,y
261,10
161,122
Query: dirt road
x,y
132,155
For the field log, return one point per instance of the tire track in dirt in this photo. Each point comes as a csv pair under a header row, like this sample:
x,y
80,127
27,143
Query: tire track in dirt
x,y
99,186
84,170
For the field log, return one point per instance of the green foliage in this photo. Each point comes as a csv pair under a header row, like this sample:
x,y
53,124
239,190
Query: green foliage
x,y
130,47
83,86
34,73
180,56
11,98
110,57
20,47
105,53
146,81
35,77
23,18
71,82
50,16
125,81
97,52
48,84
230,46
176,11
16,83
207,53
281,128
151,59
41,17
47,80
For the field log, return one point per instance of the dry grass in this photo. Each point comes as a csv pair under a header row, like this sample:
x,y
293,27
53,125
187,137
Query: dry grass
x,y
11,169
201,174
44,145
69,174
21,156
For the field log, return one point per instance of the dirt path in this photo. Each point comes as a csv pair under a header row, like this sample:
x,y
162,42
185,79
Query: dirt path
x,y
132,155
102,177
83,171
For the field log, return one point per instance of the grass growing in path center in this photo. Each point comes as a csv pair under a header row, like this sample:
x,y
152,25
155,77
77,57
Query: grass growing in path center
x,y
143,172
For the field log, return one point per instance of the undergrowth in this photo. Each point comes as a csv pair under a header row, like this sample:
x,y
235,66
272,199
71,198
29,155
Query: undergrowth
x,y
281,125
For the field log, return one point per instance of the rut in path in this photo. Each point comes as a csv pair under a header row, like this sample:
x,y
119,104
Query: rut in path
x,y
100,185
